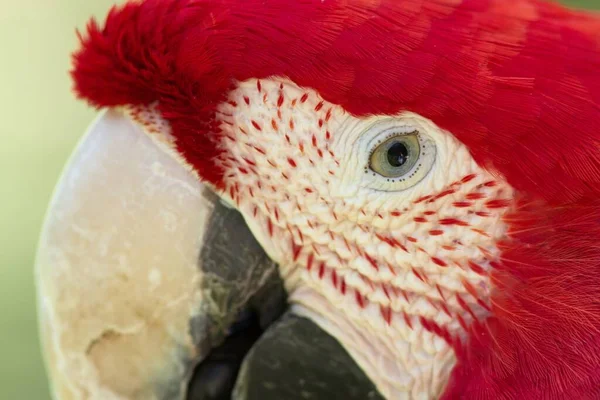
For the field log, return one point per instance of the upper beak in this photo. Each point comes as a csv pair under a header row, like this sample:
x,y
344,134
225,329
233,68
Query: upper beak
x,y
140,270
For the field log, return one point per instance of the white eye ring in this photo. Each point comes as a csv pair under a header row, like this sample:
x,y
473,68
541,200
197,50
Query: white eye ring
x,y
380,134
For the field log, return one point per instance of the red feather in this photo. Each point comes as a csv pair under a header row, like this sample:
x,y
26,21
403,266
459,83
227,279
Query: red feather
x,y
517,81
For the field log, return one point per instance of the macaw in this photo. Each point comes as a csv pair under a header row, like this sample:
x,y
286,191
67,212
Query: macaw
x,y
421,176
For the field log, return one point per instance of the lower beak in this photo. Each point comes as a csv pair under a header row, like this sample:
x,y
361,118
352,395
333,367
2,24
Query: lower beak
x,y
141,270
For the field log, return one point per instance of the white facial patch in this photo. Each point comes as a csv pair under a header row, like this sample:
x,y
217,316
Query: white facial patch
x,y
393,268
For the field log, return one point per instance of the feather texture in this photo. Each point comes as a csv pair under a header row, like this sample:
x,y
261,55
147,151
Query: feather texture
x,y
517,81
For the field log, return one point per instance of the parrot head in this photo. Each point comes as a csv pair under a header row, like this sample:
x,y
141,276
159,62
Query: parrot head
x,y
424,173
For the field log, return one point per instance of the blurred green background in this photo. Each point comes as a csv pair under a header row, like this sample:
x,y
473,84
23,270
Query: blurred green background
x,y
40,122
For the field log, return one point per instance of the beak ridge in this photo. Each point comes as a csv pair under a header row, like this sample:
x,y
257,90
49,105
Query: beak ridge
x,y
122,267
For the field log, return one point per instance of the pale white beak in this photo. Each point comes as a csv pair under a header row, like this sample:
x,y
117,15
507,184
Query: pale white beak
x,y
118,273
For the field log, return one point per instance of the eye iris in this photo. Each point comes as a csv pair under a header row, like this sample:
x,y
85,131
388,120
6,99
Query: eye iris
x,y
399,161
397,154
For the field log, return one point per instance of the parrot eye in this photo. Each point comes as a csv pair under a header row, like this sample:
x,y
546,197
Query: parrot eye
x,y
399,155
396,156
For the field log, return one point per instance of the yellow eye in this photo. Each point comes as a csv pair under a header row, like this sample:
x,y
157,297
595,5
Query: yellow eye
x,y
397,156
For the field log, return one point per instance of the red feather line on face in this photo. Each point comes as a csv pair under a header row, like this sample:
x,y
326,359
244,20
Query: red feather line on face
x,y
517,81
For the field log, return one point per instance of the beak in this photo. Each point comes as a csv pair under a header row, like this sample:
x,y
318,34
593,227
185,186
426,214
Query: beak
x,y
141,270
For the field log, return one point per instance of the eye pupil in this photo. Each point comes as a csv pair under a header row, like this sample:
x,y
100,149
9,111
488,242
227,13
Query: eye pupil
x,y
397,154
